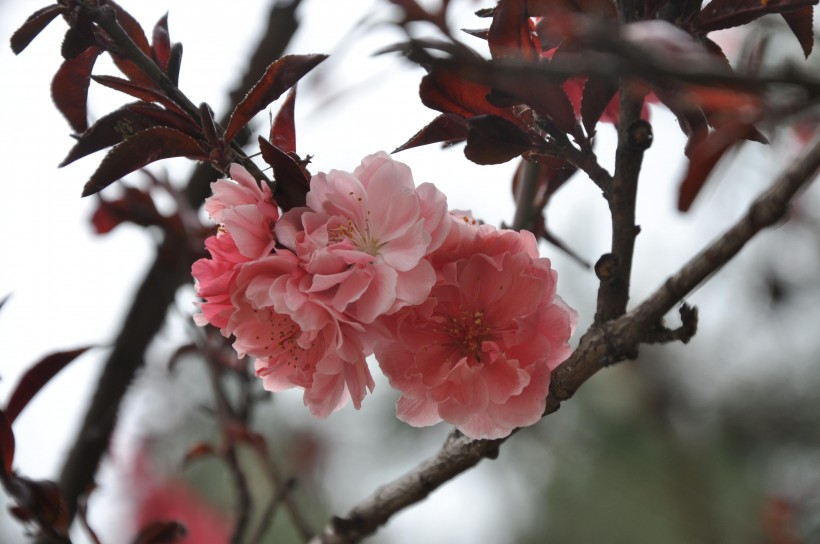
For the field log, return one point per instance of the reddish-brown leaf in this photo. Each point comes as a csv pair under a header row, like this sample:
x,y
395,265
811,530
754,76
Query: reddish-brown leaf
x,y
137,91
36,377
281,75
135,206
140,150
597,94
69,88
79,36
162,532
447,127
171,119
161,43
283,128
720,14
109,130
546,97
494,140
800,22
35,24
512,34
174,63
41,500
705,154
137,35
444,91
292,179
6,445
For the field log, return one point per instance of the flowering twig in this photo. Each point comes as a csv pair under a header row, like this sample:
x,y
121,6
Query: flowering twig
x,y
170,270
600,346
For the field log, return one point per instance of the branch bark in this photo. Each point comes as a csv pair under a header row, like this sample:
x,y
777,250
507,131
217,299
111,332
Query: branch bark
x,y
600,346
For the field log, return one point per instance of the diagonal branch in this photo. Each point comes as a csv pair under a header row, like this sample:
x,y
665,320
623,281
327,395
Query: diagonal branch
x,y
600,346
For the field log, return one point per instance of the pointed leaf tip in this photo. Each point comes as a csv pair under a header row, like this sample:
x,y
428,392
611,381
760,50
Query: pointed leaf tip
x,y
36,377
35,24
281,75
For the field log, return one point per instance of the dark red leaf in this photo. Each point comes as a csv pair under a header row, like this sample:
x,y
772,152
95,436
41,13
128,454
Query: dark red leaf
x,y
546,97
493,140
292,179
69,88
207,123
79,36
139,150
283,129
800,23
720,14
447,127
171,119
137,91
6,445
446,92
42,501
281,75
705,154
137,35
174,63
597,94
135,206
512,34
162,532
109,130
161,43
35,24
36,377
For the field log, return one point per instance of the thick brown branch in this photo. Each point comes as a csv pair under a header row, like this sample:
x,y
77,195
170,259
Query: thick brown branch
x,y
601,345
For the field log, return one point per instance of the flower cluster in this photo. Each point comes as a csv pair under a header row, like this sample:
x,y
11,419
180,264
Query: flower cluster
x,y
463,318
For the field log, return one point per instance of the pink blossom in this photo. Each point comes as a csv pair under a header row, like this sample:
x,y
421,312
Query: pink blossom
x,y
479,351
215,279
246,210
321,353
363,238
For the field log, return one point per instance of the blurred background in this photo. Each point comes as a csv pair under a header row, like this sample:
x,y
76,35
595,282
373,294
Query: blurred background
x,y
716,441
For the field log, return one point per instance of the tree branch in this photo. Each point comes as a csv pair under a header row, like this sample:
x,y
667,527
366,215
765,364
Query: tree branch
x,y
601,345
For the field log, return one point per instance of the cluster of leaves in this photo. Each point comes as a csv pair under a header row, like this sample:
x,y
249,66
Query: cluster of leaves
x,y
162,123
516,104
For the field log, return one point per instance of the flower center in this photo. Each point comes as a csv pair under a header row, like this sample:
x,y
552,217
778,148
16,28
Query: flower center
x,y
362,238
468,330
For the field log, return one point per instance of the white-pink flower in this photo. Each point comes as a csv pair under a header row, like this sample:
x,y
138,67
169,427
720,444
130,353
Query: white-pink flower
x,y
479,351
363,238
245,210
